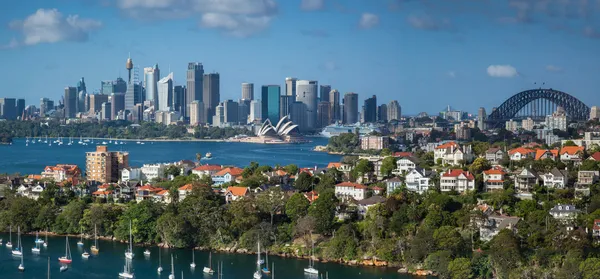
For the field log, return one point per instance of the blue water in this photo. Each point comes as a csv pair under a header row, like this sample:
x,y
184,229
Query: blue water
x,y
109,262
33,158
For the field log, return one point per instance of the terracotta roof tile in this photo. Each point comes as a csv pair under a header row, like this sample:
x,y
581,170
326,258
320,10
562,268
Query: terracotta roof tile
x,y
231,170
237,191
186,187
571,150
595,156
208,167
521,150
447,145
351,184
457,173
336,165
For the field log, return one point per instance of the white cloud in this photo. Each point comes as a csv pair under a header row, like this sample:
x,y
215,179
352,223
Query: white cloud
x,y
50,26
368,20
239,18
553,68
312,5
504,71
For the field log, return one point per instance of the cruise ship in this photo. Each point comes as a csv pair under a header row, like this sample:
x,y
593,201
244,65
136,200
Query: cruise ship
x,y
337,129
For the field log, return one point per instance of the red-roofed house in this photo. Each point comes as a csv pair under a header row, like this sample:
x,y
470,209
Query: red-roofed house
x,y
146,192
184,191
163,196
226,175
102,192
521,153
335,165
350,189
457,180
62,172
595,157
571,153
541,154
453,154
235,193
403,154
206,170
596,228
493,179
311,196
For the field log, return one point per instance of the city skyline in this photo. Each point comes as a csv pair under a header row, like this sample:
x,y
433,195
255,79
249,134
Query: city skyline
x,y
392,49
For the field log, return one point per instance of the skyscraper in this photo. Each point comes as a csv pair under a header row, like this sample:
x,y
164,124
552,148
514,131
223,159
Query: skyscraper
x,y
165,93
96,101
211,93
46,105
20,107
247,91
290,87
594,112
370,110
323,114
219,117
230,112
306,92
70,102
382,113
151,78
270,102
117,103
394,111
194,81
255,111
81,95
298,115
8,108
334,100
324,93
179,99
103,166
350,108
197,113
284,105
106,111
243,111
481,119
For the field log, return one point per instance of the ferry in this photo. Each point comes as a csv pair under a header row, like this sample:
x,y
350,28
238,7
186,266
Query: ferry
x,y
208,155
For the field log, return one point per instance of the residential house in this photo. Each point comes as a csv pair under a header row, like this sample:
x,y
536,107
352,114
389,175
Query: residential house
x,y
566,214
311,196
493,179
417,180
542,154
131,173
404,165
32,192
595,157
235,193
556,179
206,170
364,205
401,154
351,190
457,180
572,154
62,172
392,184
494,155
103,192
596,228
146,192
335,165
377,190
124,191
525,179
585,179
521,153
226,175
153,171
452,153
184,191
494,223
163,196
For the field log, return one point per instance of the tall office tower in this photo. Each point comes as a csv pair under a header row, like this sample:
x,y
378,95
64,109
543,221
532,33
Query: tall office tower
x,y
595,113
270,103
298,115
119,86
247,91
46,105
350,115
382,113
20,108
324,93
134,94
481,119
255,111
394,111
117,104
96,101
211,93
8,108
284,105
136,114
219,117
334,100
194,82
323,114
165,93
70,102
81,95
179,99
230,112
290,87
151,77
197,115
106,111
243,111
370,110
306,92
103,166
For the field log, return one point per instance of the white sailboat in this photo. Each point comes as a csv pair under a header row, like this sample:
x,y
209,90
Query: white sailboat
x,y
37,238
21,266
172,275
85,254
19,250
127,273
46,242
311,269
265,269
129,254
257,273
159,269
147,253
80,242
9,243
94,248
36,249
193,264
208,269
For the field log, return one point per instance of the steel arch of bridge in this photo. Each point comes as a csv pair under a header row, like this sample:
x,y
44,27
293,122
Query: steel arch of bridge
x,y
574,108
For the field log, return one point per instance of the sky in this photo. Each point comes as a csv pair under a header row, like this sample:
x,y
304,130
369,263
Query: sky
x,y
427,54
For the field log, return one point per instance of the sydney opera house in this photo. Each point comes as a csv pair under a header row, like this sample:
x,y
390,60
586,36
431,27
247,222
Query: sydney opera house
x,y
284,132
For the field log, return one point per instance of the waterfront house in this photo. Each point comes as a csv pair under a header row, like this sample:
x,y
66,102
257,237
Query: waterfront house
x,y
392,184
521,153
566,214
346,190
153,171
206,170
494,155
278,177
417,180
457,180
62,172
525,179
364,205
103,192
493,179
184,191
377,190
235,193
572,154
451,153
556,179
226,175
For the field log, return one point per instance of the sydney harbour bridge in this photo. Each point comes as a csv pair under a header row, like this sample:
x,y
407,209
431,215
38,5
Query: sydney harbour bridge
x,y
536,104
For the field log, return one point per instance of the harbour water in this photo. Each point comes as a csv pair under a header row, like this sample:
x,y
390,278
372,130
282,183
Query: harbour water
x,y
32,158
111,259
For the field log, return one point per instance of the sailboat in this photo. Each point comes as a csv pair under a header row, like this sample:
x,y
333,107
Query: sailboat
x,y
147,253
21,266
257,273
19,250
36,249
80,140
95,246
85,254
9,243
80,242
193,264
126,270
172,275
70,141
310,269
265,269
129,254
67,257
37,238
159,269
46,242
64,267
208,269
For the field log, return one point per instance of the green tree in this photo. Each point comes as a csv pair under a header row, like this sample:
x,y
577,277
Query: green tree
x,y
243,216
504,252
291,169
344,245
323,210
364,167
479,165
569,143
143,217
589,165
271,201
448,238
387,166
173,230
172,170
590,268
304,182
296,206
68,221
386,152
460,268
438,262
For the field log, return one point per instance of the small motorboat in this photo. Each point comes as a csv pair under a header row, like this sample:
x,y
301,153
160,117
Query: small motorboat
x,y
85,255
147,253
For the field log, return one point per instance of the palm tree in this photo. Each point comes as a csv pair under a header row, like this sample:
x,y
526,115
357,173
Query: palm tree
x,y
198,157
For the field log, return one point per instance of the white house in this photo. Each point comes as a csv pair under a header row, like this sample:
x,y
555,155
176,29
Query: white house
x,y
417,180
351,190
404,165
226,175
556,179
153,171
521,153
364,205
494,155
131,174
493,179
453,154
571,153
184,191
565,213
392,184
235,193
457,180
206,170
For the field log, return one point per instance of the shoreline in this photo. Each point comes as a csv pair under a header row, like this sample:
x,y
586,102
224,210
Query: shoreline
x,y
146,139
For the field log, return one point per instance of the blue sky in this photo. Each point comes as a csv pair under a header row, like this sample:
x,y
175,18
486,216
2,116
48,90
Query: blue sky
x,y
427,54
